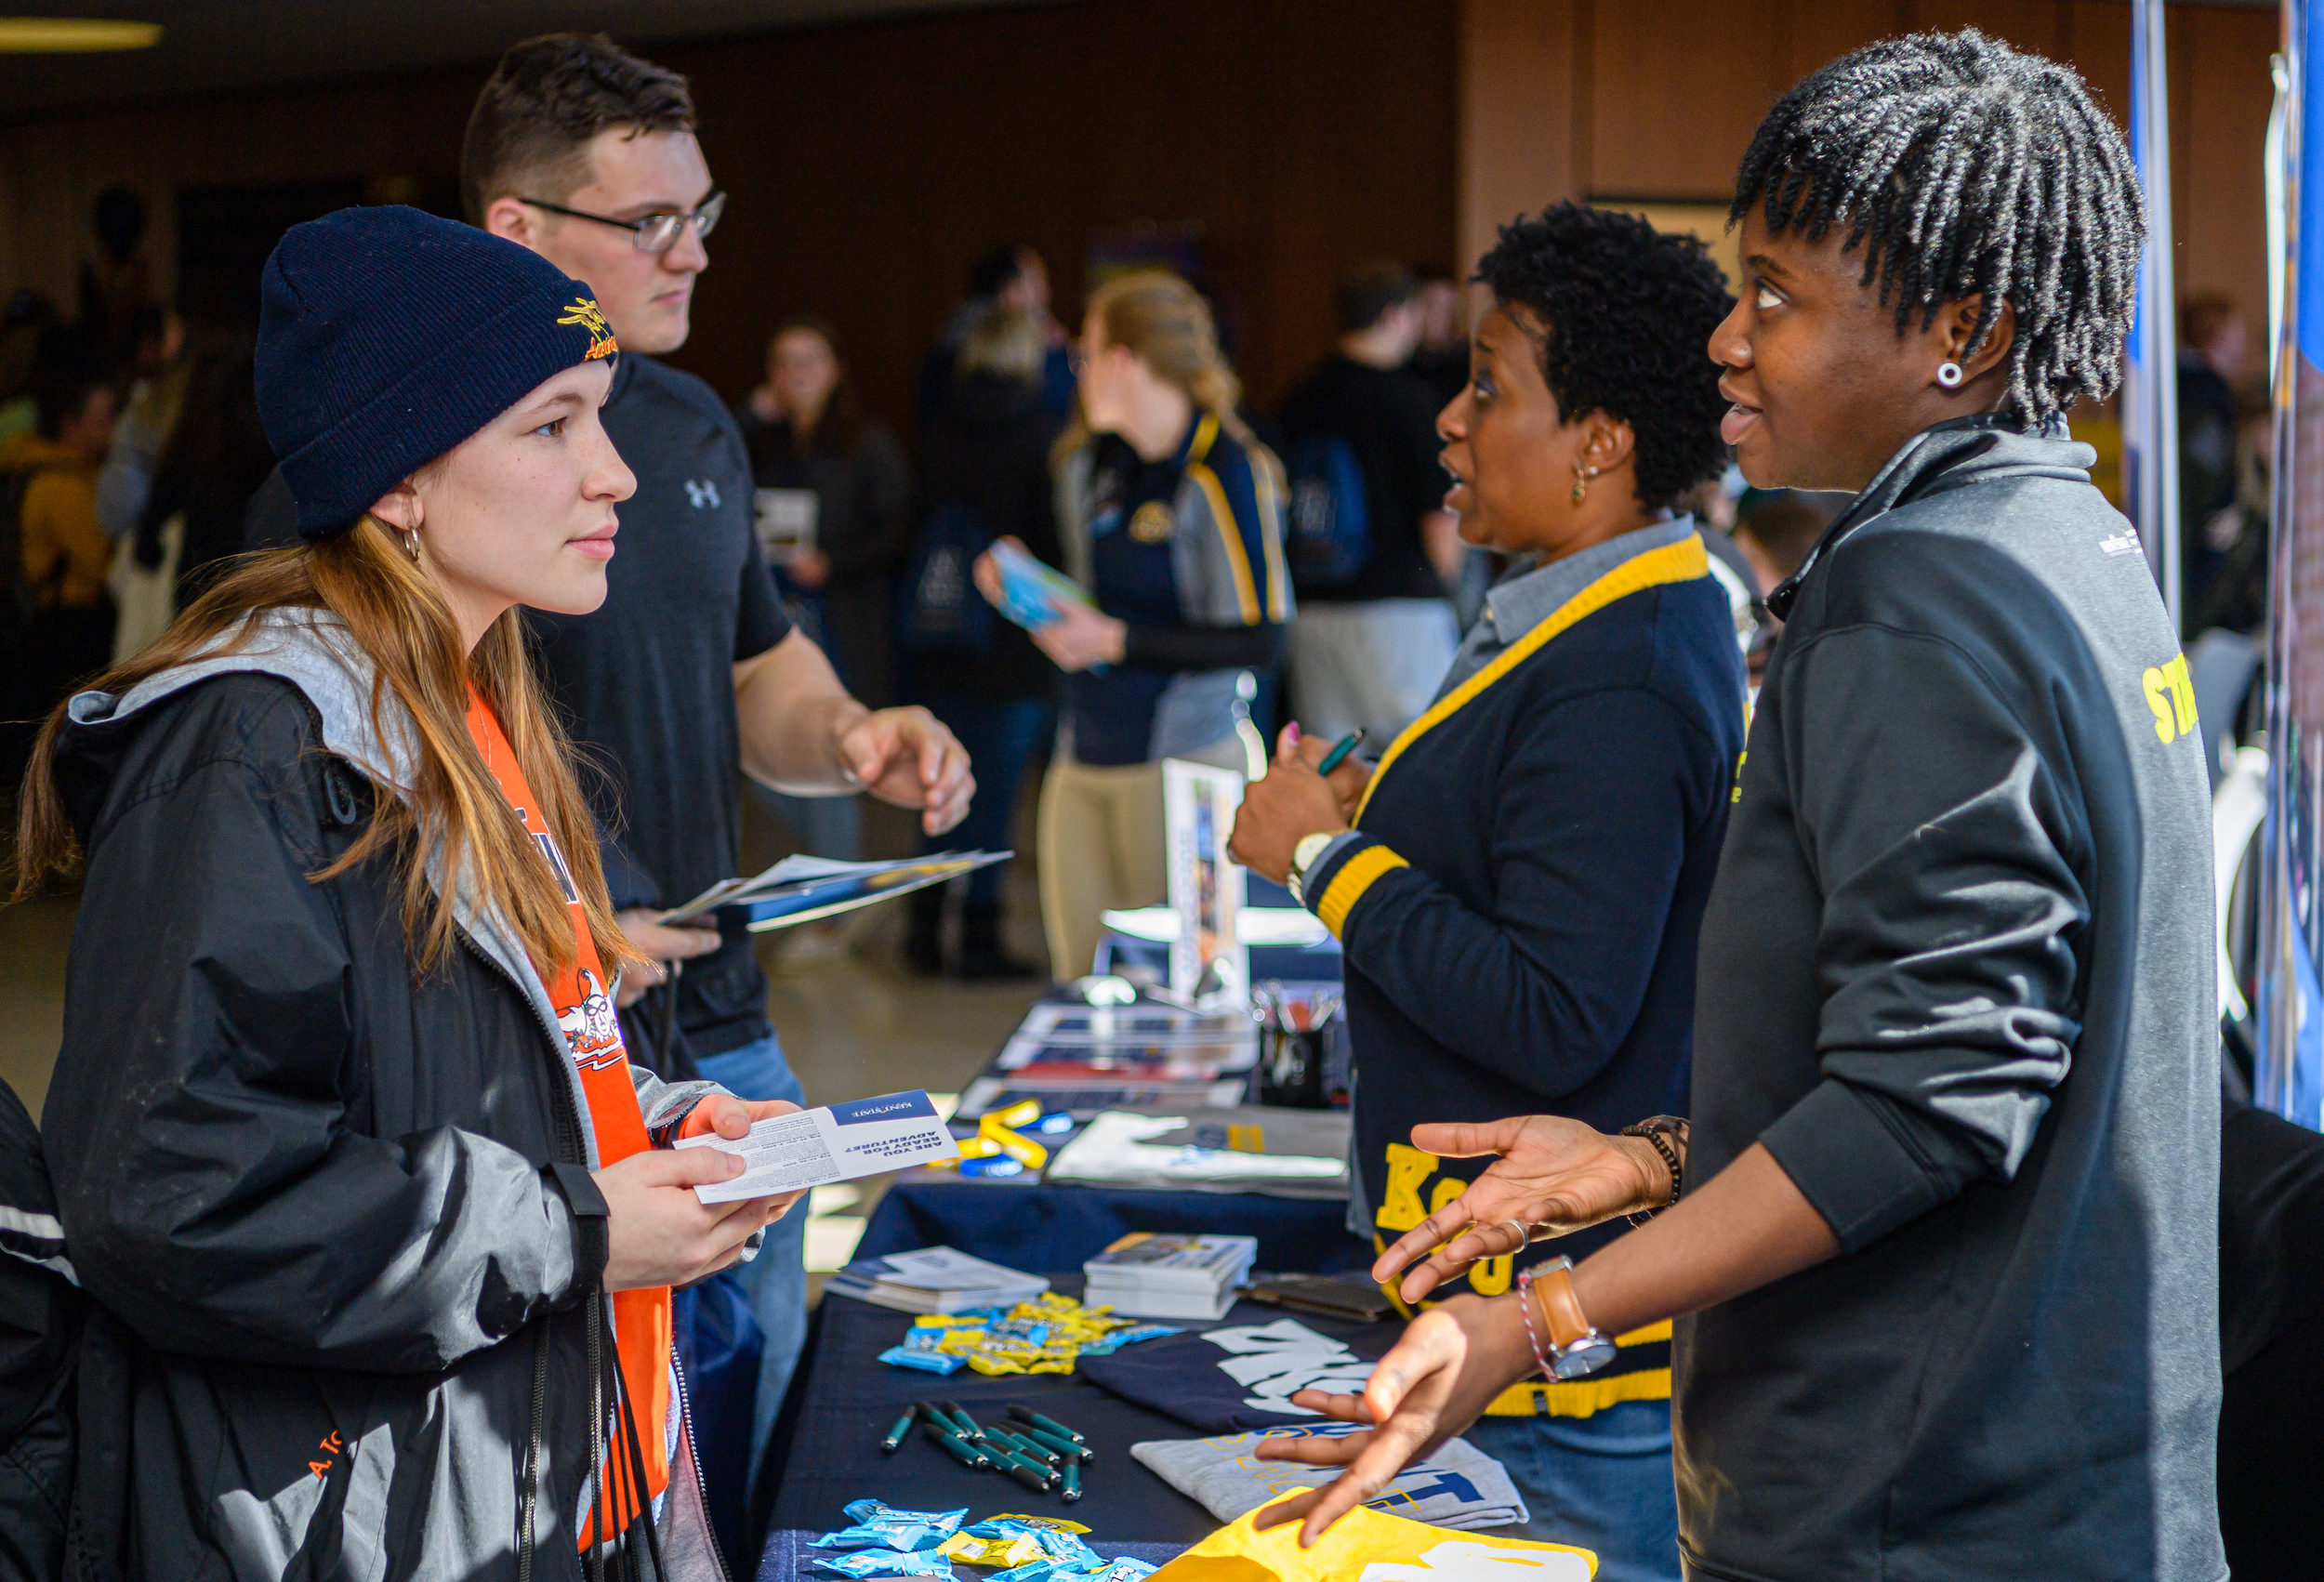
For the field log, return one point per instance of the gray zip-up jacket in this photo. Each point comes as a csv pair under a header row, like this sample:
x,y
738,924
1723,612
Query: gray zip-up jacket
x,y
335,1215
1957,975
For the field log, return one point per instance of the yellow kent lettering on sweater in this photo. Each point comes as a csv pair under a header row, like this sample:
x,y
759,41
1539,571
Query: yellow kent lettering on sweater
x,y
2171,697
1401,1208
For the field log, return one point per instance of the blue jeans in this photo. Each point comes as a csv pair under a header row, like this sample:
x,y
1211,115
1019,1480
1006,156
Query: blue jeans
x,y
1599,1483
1000,736
773,1284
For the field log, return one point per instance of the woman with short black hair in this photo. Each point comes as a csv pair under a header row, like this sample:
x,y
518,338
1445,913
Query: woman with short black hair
x,y
1517,883
1943,1231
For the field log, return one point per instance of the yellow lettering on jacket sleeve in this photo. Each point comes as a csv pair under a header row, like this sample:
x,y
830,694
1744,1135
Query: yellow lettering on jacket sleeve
x,y
2182,694
2166,713
1400,1203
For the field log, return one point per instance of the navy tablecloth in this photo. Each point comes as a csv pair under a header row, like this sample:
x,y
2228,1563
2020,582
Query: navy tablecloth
x,y
1035,1227
849,1398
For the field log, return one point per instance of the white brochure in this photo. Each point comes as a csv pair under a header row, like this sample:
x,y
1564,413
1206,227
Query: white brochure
x,y
836,1143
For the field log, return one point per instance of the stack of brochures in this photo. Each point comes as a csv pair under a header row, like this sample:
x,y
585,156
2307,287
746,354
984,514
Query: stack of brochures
x,y
1084,1059
1281,1153
800,890
934,1280
1147,1275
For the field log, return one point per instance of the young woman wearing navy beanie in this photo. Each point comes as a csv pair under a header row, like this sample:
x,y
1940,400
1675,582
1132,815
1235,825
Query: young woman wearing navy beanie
x,y
378,1221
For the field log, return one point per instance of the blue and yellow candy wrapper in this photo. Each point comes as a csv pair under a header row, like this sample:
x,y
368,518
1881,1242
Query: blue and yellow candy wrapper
x,y
886,1563
879,1526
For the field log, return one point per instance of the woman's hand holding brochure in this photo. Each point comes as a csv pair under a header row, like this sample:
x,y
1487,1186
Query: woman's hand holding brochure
x,y
1074,632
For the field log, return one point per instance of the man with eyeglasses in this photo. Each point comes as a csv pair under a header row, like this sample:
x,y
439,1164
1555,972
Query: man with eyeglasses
x,y
586,155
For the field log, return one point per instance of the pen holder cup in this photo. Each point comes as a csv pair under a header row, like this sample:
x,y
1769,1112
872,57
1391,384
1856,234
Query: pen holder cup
x,y
1303,1070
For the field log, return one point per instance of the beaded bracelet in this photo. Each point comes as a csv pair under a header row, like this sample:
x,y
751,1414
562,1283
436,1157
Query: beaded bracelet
x,y
1652,1131
1533,1338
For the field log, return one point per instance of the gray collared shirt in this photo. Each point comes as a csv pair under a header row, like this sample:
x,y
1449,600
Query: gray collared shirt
x,y
1524,599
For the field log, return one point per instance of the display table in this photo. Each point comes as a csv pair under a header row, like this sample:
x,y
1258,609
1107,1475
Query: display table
x,y
849,1398
1024,1224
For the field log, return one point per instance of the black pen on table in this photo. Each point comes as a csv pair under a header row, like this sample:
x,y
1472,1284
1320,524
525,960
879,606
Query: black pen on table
x,y
1340,751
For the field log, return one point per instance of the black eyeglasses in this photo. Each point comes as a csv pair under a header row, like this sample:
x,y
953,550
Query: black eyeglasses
x,y
655,232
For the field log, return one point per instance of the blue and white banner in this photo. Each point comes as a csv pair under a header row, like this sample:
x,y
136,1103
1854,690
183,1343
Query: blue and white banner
x,y
2150,405
2289,1064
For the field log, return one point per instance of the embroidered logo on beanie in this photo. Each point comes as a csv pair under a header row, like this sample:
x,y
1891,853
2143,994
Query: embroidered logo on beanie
x,y
584,312
387,337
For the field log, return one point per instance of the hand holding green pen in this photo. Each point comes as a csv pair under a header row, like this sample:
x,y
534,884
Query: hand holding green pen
x,y
1340,751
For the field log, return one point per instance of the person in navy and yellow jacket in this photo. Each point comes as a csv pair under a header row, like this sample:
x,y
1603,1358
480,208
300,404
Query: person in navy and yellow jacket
x,y
1517,882
1170,514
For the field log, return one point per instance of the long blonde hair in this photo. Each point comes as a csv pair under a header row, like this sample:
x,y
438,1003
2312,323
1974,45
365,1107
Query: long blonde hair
x,y
454,805
1166,324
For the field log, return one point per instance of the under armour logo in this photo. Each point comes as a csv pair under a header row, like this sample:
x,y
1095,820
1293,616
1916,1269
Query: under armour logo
x,y
704,494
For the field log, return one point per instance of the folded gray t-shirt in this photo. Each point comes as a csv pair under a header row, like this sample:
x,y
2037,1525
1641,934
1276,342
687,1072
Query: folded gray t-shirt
x,y
1460,1486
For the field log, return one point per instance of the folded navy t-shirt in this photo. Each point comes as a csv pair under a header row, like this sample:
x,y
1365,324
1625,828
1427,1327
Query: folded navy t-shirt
x,y
1230,1377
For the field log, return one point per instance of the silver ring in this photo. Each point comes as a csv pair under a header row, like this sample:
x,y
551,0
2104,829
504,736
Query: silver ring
x,y
1525,1232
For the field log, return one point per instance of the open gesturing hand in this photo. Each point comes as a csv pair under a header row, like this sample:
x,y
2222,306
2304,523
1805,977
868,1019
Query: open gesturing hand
x,y
1554,1175
1436,1381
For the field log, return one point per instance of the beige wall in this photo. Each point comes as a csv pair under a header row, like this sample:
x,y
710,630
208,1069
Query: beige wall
x,y
1657,99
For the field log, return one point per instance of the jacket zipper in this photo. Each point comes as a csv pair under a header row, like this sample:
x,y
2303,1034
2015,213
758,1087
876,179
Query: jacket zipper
x,y
569,1135
702,1489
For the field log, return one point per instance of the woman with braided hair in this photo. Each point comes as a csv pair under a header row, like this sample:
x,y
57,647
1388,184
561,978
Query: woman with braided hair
x,y
1940,1239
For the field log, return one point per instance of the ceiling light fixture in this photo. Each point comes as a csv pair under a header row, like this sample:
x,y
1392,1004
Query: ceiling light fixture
x,y
74,35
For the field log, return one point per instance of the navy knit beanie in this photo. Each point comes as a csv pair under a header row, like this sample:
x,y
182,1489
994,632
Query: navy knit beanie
x,y
388,335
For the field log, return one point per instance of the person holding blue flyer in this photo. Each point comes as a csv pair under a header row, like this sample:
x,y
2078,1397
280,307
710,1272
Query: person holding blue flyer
x,y
378,1221
1171,514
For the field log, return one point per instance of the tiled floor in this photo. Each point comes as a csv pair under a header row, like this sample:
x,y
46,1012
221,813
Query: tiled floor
x,y
854,1025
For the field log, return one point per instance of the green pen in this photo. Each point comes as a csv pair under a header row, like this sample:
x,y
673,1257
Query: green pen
x,y
896,1434
1340,751
962,1423
1021,1444
1024,1473
1073,1481
1047,1425
1065,1447
958,1448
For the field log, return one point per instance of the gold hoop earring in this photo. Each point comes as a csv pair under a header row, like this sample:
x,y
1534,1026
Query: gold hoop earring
x,y
1582,475
411,542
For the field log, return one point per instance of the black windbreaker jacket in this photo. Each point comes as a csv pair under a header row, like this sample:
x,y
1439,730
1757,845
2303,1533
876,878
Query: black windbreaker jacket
x,y
40,1318
326,1209
1956,973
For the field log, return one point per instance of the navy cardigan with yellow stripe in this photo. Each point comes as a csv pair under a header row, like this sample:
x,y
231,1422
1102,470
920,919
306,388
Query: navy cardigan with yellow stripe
x,y
1519,902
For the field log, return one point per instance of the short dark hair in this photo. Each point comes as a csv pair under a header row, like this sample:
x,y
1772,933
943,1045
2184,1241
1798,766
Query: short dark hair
x,y
997,268
547,99
1964,167
1628,313
1370,288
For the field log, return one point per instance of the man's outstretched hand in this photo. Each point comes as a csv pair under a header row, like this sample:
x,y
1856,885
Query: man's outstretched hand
x,y
1554,1175
908,758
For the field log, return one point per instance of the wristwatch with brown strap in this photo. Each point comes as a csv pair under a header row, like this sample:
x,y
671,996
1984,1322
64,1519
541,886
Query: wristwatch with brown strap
x,y
1573,1345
